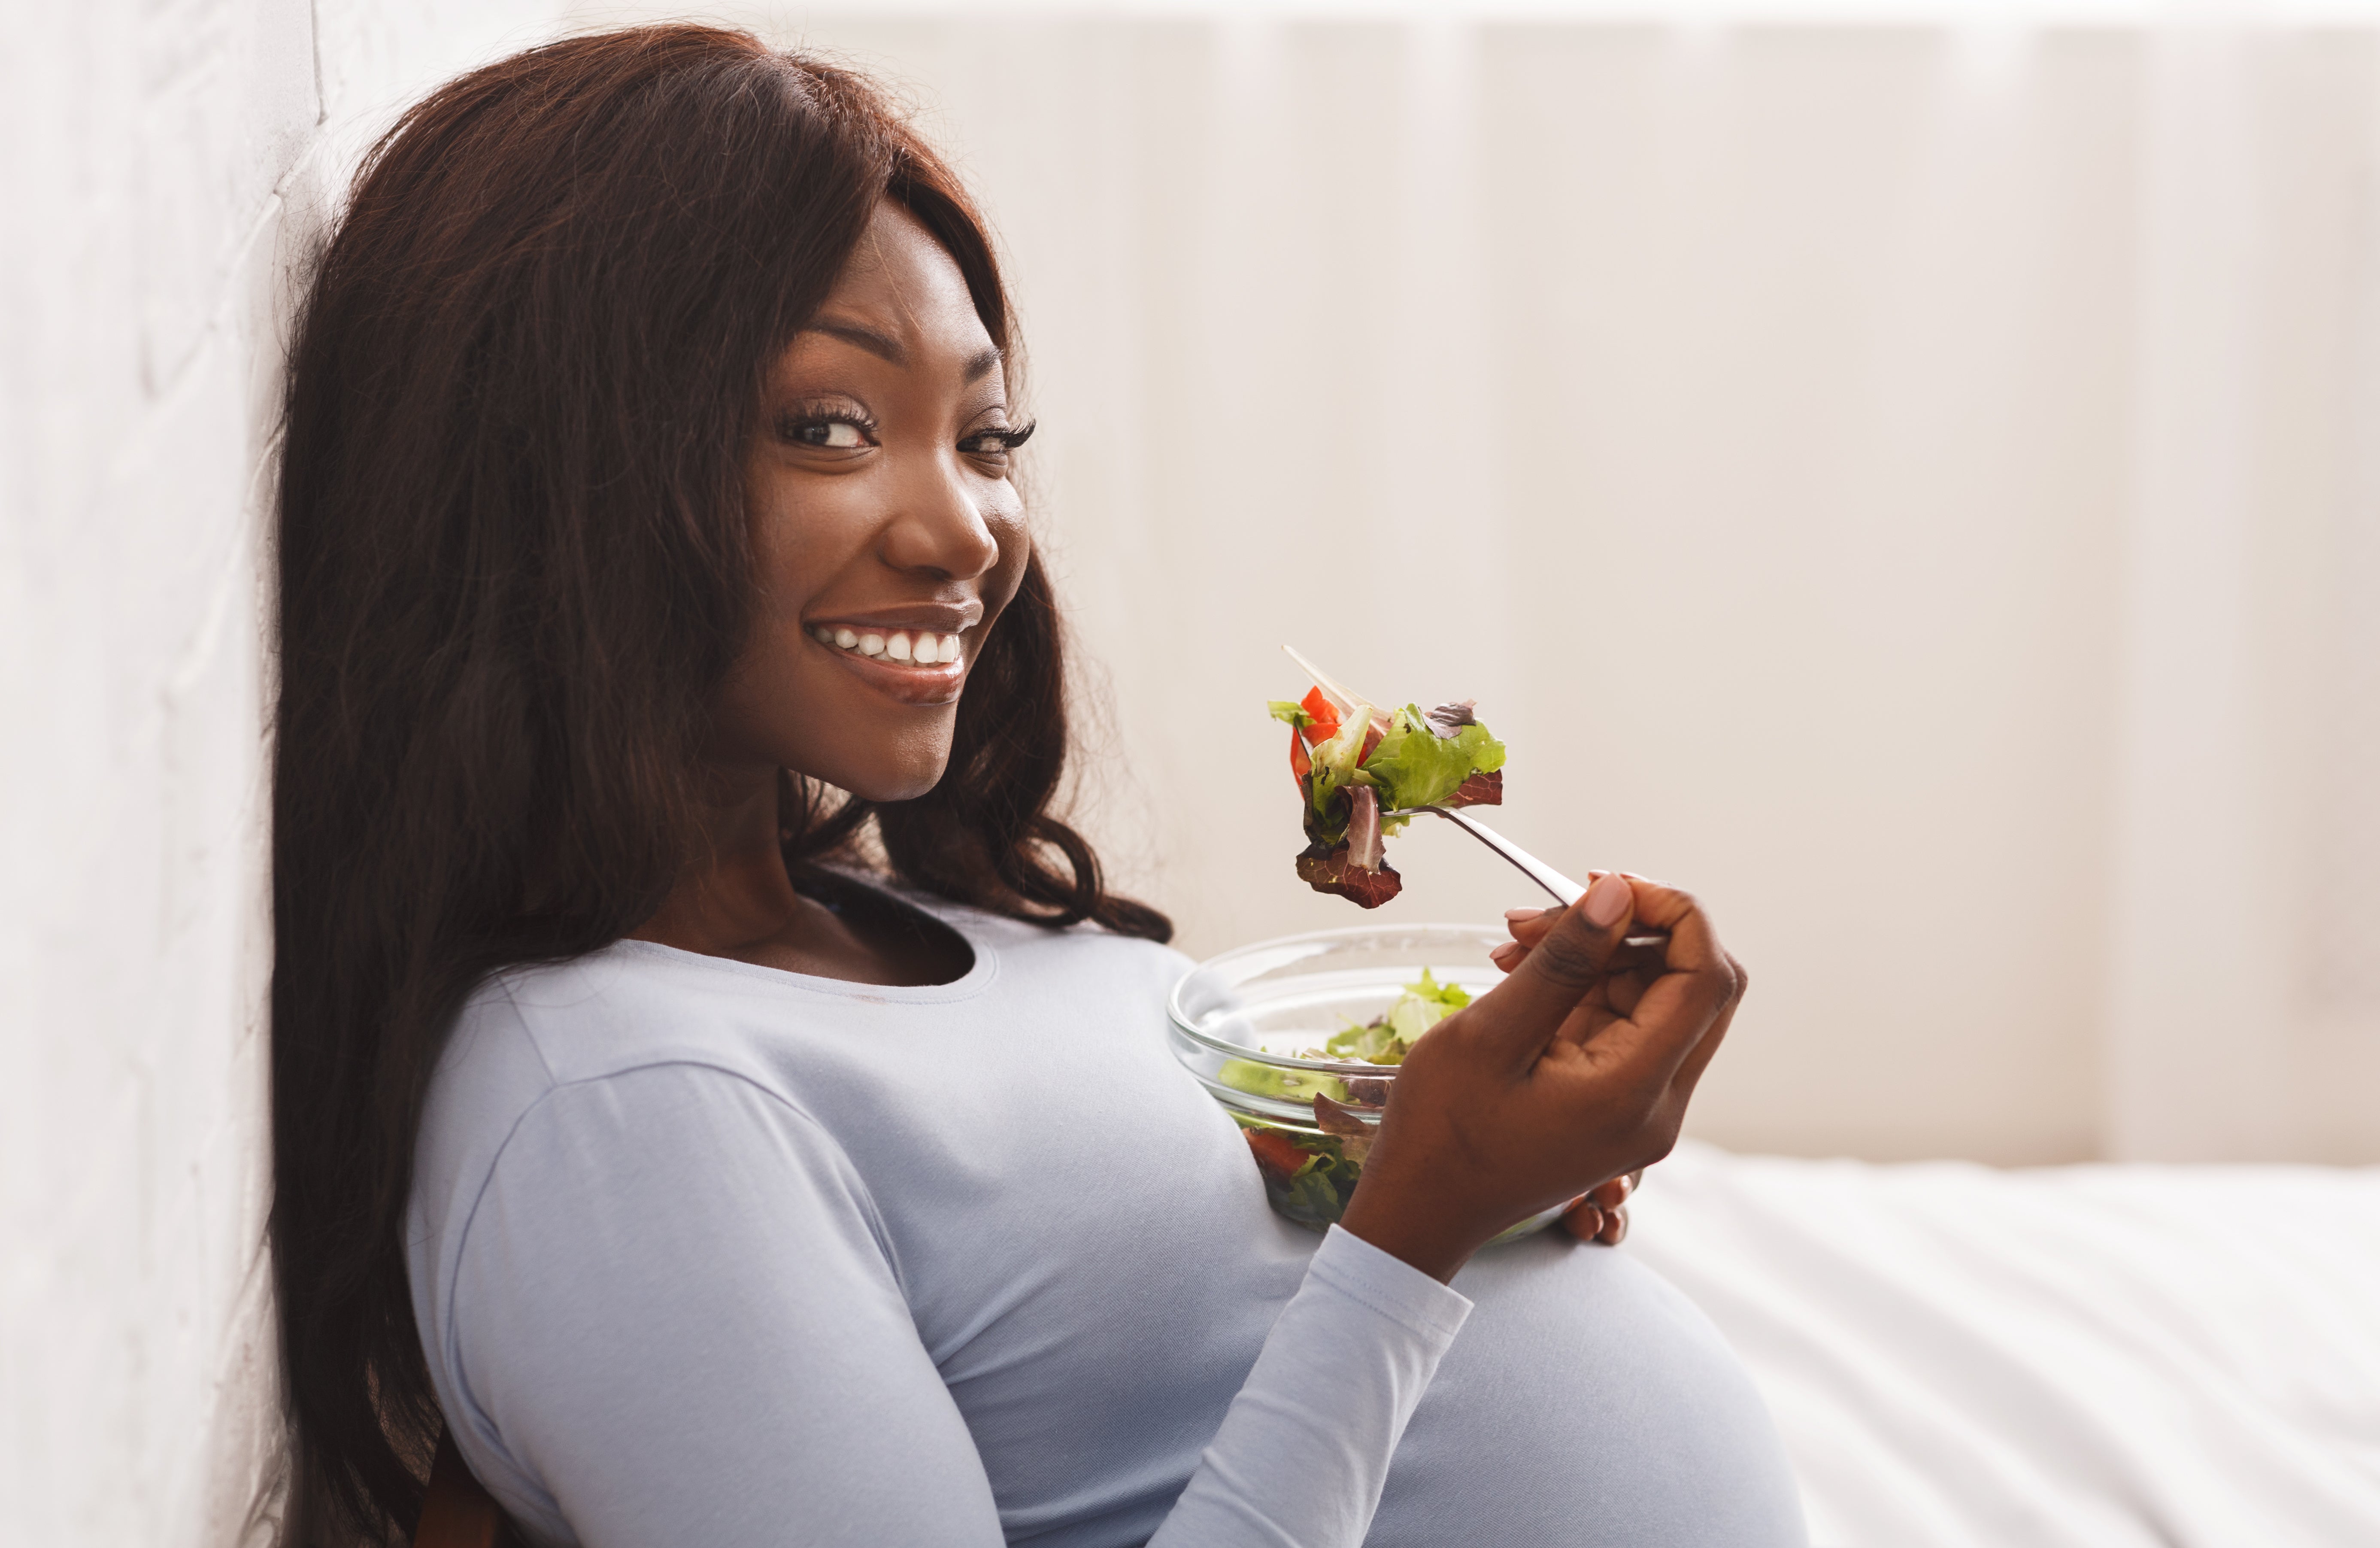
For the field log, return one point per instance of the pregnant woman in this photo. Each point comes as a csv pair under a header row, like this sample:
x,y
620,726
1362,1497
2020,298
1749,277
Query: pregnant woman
x,y
709,1084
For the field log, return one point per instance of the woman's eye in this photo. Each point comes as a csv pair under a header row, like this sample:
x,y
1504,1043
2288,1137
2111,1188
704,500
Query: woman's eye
x,y
995,443
833,435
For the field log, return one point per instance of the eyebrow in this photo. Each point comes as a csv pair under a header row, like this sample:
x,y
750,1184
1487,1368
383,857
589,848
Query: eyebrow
x,y
885,347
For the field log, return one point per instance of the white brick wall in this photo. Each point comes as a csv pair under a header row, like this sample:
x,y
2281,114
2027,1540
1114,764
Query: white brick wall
x,y
167,161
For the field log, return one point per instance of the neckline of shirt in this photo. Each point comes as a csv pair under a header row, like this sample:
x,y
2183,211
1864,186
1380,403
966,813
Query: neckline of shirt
x,y
968,984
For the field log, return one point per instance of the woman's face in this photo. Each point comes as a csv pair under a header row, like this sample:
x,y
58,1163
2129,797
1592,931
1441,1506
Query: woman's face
x,y
886,536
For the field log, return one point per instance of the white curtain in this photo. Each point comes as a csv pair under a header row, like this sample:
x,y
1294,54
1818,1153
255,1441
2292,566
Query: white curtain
x,y
1919,486
2243,990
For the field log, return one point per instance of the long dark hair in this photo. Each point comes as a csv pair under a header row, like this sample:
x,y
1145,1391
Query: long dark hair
x,y
513,574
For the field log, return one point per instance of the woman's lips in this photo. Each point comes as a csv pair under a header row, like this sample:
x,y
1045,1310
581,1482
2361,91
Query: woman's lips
x,y
910,680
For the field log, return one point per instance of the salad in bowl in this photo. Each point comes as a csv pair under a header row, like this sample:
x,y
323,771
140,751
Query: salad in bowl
x,y
1300,1040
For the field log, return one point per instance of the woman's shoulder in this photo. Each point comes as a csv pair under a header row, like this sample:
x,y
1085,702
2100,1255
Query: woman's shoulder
x,y
529,1030
626,1005
530,1037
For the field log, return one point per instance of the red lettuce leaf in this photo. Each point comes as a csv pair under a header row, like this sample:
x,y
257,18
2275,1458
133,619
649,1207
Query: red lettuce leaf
x,y
1479,790
1330,871
1364,827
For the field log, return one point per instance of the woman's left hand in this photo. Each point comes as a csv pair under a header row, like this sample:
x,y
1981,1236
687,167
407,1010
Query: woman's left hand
x,y
1602,1215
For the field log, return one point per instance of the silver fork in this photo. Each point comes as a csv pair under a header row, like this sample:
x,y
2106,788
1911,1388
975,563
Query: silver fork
x,y
1565,890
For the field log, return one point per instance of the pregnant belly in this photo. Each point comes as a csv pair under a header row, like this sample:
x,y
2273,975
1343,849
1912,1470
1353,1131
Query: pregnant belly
x,y
1587,1402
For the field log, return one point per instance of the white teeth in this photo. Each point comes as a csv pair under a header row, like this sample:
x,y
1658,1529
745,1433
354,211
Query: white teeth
x,y
924,649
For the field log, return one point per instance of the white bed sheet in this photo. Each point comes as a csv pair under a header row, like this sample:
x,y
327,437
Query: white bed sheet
x,y
2100,1355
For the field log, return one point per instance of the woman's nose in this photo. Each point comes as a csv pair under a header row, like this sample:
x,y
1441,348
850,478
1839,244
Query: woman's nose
x,y
945,522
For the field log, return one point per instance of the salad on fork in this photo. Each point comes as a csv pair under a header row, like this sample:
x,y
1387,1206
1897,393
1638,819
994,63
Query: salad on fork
x,y
1355,763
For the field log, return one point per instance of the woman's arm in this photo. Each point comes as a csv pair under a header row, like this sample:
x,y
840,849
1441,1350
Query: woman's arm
x,y
674,1319
1303,1454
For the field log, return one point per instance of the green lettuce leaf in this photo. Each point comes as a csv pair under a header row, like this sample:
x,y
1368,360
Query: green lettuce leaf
x,y
1287,1085
1423,1005
1317,1196
1374,1044
1447,997
1416,766
1288,712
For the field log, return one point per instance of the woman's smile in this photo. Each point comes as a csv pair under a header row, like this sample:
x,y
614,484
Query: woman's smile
x,y
914,665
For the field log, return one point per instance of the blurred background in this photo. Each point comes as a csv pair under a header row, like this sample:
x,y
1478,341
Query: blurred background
x,y
1913,476
1909,471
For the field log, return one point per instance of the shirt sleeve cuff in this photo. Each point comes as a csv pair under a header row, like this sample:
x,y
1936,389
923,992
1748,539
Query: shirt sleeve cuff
x,y
1390,1286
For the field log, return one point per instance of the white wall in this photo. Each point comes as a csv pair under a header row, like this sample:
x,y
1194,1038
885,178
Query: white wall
x,y
165,162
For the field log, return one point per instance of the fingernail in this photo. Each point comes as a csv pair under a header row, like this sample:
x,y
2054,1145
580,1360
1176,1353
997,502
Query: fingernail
x,y
1606,900
1504,953
1521,916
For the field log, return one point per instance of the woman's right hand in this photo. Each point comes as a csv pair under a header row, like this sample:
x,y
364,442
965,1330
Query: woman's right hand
x,y
1564,1076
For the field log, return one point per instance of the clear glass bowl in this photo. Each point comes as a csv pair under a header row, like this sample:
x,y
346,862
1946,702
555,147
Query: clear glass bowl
x,y
1240,1022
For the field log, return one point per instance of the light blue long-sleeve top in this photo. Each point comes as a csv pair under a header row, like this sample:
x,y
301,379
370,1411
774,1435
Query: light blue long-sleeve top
x,y
708,1253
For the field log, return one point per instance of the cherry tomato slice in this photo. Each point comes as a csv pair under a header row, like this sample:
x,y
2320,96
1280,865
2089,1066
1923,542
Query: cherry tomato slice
x,y
1326,718
1275,1152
